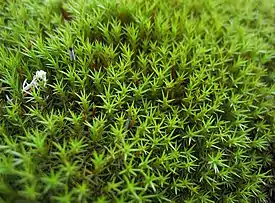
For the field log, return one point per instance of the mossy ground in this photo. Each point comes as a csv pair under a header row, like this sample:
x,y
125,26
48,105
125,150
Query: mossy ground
x,y
162,101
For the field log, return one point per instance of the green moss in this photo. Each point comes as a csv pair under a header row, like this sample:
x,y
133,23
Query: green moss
x,y
164,101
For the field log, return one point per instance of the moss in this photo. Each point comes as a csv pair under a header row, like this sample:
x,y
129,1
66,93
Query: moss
x,y
145,101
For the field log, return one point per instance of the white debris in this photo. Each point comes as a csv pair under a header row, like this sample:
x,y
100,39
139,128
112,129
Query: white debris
x,y
72,55
40,76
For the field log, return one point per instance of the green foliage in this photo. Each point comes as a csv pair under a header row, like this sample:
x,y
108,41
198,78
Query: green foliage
x,y
162,101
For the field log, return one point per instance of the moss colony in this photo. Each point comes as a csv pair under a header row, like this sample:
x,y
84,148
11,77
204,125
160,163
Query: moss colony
x,y
136,101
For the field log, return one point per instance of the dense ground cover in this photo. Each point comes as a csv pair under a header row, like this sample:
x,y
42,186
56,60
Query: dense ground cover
x,y
136,101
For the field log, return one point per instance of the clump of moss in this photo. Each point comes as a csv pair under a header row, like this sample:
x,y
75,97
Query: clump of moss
x,y
145,101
